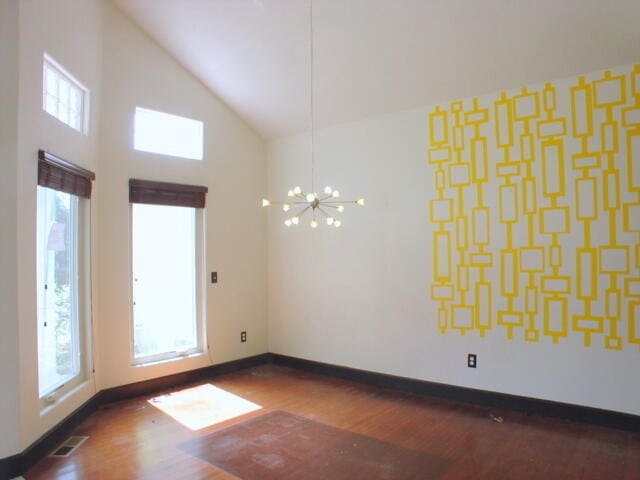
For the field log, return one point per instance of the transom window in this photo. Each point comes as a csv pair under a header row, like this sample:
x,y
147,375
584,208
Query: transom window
x,y
167,134
64,97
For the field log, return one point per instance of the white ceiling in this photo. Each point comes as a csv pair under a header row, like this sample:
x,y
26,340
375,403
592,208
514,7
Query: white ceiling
x,y
379,56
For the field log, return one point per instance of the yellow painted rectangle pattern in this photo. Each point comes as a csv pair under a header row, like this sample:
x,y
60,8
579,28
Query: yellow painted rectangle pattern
x,y
586,268
612,304
509,273
585,161
442,292
611,184
480,222
479,159
553,169
631,117
529,195
462,232
508,203
463,278
586,199
555,255
555,316
552,128
439,155
442,256
556,284
462,316
483,304
634,322
632,287
507,169
609,134
526,147
587,324
481,259
531,300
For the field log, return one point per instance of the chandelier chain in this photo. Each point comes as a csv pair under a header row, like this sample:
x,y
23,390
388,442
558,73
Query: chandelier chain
x,y
313,159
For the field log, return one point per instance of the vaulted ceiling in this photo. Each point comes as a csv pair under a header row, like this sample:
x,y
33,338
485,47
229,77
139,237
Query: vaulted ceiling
x,y
379,56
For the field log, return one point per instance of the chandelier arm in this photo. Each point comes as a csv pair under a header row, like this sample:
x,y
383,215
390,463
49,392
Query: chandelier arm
x,y
329,206
340,202
326,215
301,212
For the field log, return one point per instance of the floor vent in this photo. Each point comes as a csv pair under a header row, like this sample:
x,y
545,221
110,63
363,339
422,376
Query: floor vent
x,y
68,447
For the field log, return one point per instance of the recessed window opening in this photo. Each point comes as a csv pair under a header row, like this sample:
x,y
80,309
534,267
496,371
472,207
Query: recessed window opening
x,y
63,279
166,134
167,255
64,97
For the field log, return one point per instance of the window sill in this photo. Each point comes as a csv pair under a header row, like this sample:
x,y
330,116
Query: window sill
x,y
59,400
175,358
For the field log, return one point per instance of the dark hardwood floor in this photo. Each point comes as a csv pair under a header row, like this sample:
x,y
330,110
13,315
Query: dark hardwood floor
x,y
135,440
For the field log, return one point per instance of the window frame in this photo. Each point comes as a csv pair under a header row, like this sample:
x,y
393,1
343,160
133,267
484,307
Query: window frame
x,y
187,196
138,144
51,170
85,95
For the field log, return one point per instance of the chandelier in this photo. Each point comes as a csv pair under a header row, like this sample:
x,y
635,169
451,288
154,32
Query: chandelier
x,y
320,206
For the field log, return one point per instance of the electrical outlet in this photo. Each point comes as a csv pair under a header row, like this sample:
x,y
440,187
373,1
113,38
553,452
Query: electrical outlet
x,y
243,337
472,360
214,277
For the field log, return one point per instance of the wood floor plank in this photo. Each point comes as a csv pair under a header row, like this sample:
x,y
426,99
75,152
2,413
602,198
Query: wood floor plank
x,y
135,440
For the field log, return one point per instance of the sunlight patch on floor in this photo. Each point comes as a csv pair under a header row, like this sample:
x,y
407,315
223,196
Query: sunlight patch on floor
x,y
203,406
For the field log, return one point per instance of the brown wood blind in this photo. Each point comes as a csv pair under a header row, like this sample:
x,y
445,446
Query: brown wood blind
x,y
58,174
161,193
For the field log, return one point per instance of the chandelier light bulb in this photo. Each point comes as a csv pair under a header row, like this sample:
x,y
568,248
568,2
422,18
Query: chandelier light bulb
x,y
335,194
297,190
287,222
337,223
313,223
327,190
360,202
286,207
340,208
295,220
290,193
310,197
265,202
329,221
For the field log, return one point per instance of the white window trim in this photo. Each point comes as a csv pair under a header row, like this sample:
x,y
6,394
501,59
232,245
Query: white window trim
x,y
50,62
201,329
82,271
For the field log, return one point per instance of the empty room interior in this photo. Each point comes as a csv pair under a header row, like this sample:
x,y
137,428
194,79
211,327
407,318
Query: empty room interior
x,y
320,239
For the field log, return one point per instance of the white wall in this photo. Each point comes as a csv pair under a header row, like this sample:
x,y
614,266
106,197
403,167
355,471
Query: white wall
x,y
51,27
136,72
9,395
122,68
359,296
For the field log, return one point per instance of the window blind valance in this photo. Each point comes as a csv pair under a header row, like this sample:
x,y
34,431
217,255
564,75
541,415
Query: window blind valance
x,y
59,174
162,193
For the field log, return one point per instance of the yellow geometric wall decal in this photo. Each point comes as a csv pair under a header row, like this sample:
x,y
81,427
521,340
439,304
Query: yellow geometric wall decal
x,y
535,215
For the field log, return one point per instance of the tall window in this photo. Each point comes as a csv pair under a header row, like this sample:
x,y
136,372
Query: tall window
x,y
167,276
62,269
64,97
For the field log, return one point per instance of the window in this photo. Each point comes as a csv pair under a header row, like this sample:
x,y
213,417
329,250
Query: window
x,y
64,97
166,134
62,275
167,255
